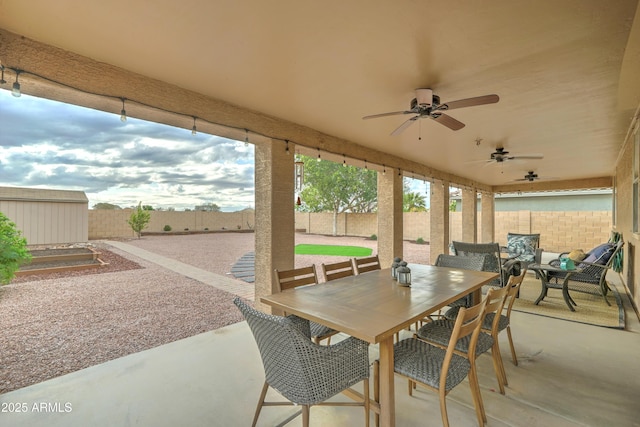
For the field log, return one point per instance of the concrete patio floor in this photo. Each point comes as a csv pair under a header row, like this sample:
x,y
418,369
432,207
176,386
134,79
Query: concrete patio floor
x,y
569,374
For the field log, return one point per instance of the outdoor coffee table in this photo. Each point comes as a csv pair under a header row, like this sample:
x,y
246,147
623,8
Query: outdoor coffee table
x,y
542,270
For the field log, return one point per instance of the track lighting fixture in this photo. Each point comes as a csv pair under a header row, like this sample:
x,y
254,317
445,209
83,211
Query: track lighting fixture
x,y
16,86
193,129
123,113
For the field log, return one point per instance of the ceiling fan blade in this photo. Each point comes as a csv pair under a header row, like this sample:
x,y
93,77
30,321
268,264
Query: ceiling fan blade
x,y
528,156
404,125
448,121
470,102
395,113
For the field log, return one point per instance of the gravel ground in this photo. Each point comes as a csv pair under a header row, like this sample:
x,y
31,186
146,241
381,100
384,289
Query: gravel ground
x,y
54,324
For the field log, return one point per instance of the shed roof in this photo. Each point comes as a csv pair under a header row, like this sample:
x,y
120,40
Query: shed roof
x,y
42,195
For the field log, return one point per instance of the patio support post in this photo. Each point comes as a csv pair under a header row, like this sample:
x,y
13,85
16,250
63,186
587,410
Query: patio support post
x,y
275,220
469,215
488,217
390,225
439,217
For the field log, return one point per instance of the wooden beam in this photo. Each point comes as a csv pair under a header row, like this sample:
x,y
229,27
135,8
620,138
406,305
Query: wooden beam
x,y
576,184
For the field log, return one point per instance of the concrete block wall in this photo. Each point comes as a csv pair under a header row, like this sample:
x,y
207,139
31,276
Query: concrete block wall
x,y
106,224
560,230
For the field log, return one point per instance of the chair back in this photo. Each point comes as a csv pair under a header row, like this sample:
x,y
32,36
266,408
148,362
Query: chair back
x,y
280,341
337,270
514,289
496,298
289,279
523,246
467,323
363,265
493,262
477,263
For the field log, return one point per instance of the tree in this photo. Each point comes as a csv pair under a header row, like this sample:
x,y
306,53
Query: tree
x,y
413,202
147,208
331,187
13,250
106,206
209,207
139,219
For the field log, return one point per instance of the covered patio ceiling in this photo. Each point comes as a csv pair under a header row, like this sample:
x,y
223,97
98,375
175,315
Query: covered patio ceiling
x,y
565,71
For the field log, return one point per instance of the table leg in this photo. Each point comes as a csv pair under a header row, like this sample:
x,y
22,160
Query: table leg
x,y
387,396
565,293
543,291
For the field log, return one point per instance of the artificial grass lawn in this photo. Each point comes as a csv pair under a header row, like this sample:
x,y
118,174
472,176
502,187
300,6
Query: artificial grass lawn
x,y
357,251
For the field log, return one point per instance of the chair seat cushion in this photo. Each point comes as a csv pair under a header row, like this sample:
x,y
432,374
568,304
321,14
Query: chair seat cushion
x,y
439,332
423,362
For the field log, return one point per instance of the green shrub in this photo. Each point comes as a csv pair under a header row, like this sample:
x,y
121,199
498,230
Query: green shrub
x,y
13,250
374,237
420,241
139,220
167,228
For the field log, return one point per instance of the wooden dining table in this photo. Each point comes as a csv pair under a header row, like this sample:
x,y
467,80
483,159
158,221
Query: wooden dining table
x,y
373,307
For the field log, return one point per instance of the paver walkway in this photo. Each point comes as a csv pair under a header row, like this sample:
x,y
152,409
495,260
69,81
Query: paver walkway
x,y
232,286
245,268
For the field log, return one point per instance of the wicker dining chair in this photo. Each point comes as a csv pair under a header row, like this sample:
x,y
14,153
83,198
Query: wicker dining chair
x,y
363,265
441,369
337,270
506,267
476,263
302,371
305,276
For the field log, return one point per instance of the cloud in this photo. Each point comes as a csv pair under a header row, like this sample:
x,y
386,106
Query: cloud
x,y
47,144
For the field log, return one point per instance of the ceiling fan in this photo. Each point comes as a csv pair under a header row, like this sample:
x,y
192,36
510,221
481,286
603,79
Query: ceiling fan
x,y
426,104
500,155
530,176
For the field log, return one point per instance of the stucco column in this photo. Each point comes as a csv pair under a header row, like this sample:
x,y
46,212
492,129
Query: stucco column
x,y
439,217
390,227
488,217
469,215
275,221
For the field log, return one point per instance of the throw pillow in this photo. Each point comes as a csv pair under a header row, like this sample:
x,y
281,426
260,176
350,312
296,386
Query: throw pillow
x,y
577,255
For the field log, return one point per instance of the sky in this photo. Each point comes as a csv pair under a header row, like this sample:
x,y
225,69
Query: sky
x,y
49,144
